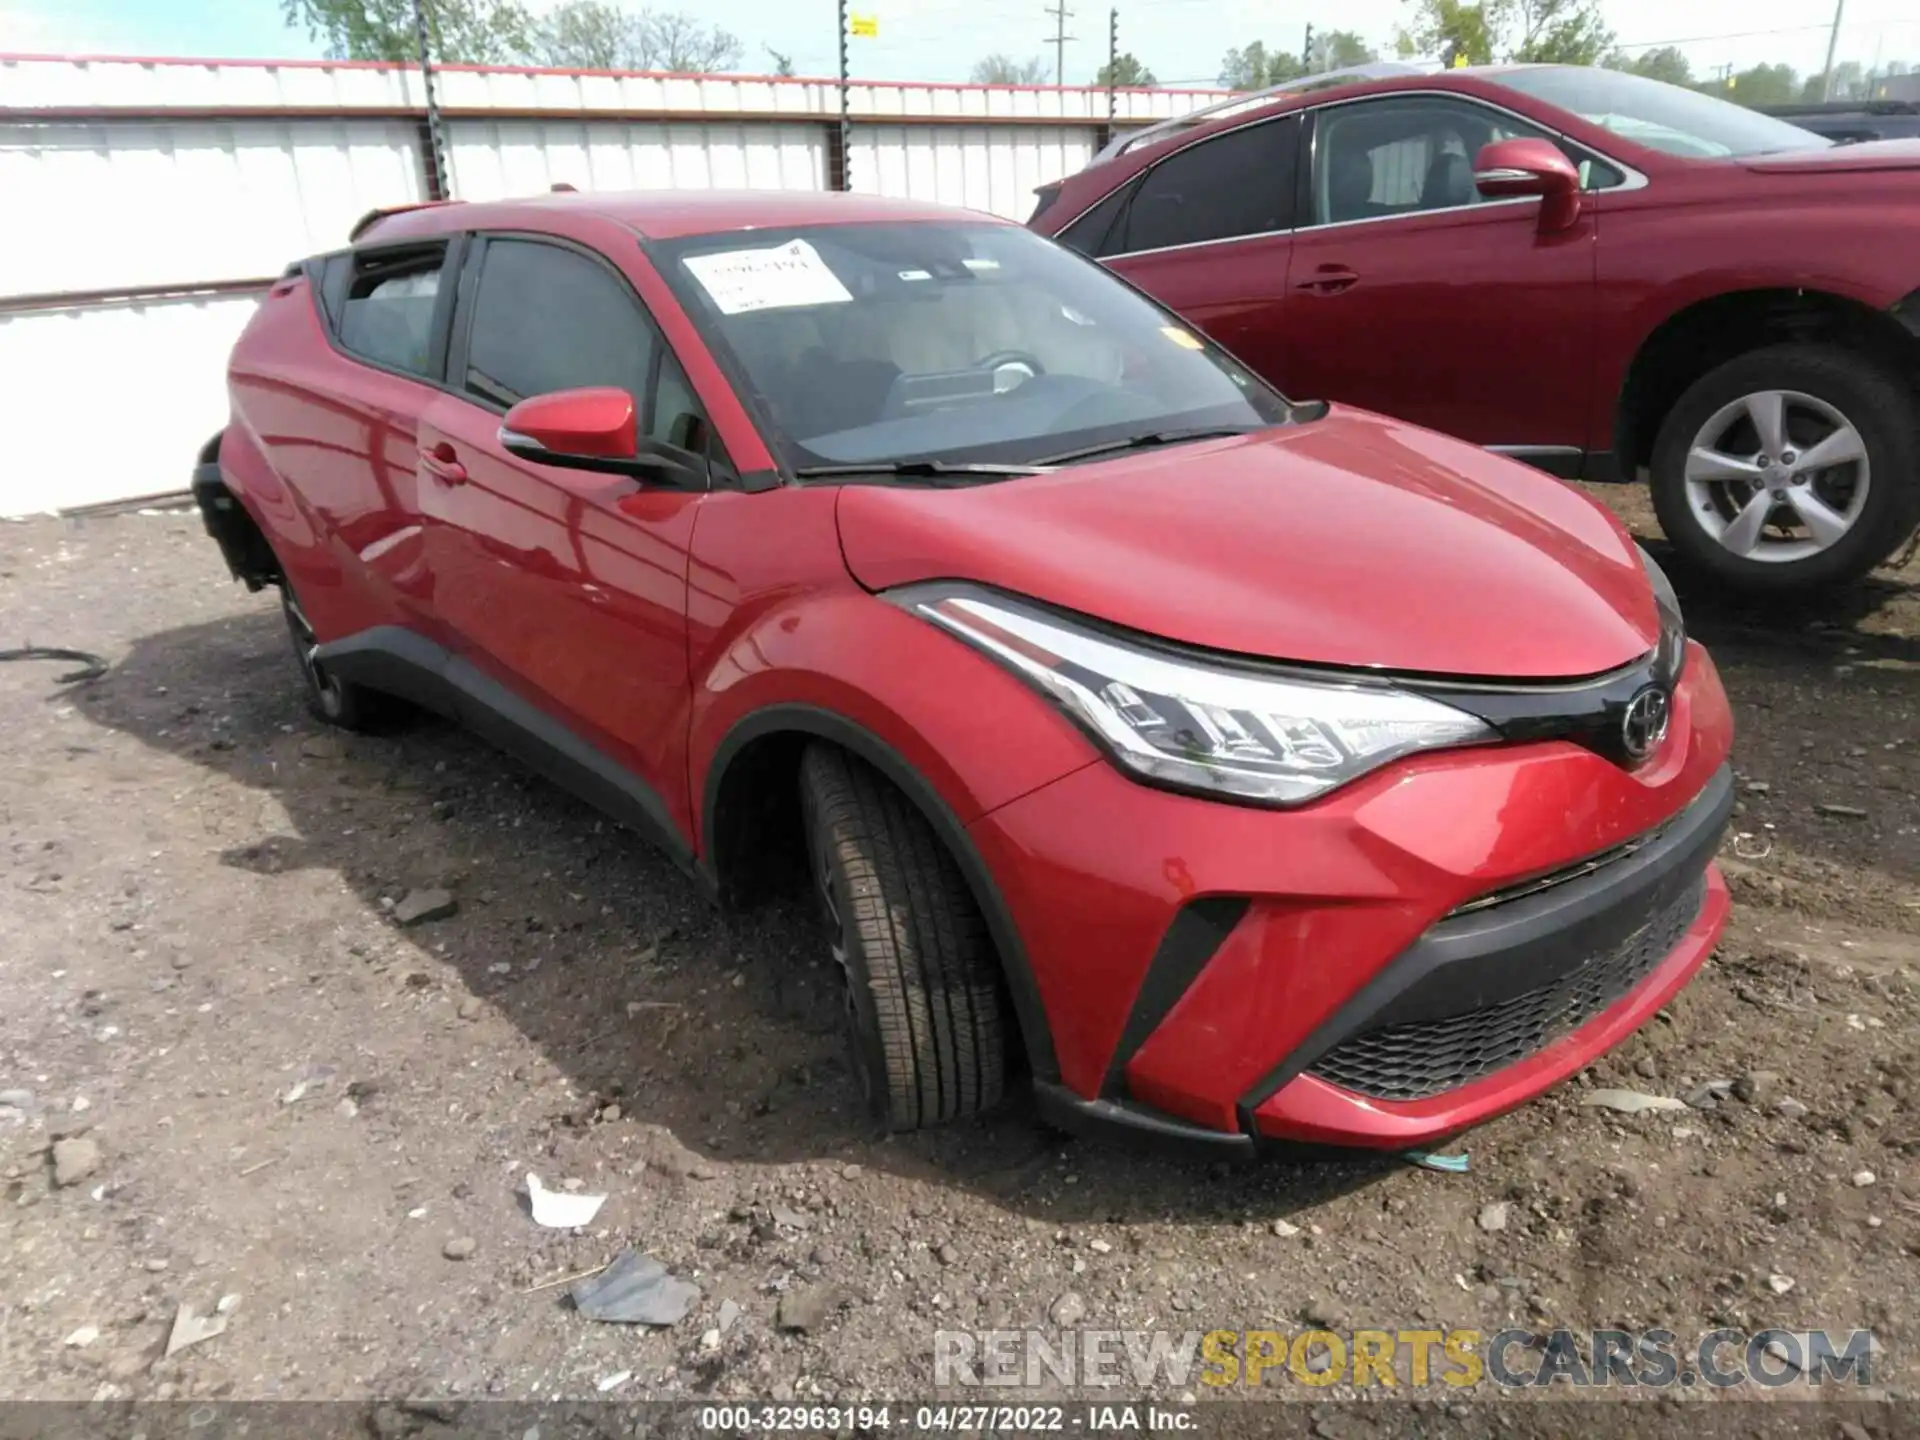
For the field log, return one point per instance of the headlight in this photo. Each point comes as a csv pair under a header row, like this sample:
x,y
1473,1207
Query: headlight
x,y
1670,655
1186,723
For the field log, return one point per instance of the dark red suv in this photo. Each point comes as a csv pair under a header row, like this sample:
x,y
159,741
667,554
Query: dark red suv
x,y
1594,272
1243,768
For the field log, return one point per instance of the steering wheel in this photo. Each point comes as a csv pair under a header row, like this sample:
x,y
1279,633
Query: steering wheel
x,y
1001,360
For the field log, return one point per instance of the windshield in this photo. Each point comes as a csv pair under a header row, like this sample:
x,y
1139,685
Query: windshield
x,y
1658,115
956,342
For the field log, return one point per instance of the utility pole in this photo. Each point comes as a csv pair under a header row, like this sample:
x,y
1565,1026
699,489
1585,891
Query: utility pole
x,y
437,186
1833,42
1113,64
1306,52
846,159
1060,15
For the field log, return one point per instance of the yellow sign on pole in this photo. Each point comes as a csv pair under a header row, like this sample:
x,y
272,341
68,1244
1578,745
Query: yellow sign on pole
x,y
864,26
1462,60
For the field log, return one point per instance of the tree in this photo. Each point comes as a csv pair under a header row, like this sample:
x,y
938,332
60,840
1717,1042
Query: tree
x,y
588,35
1255,68
1765,85
1125,73
677,42
1340,50
1849,83
476,32
1664,63
1005,70
782,63
1560,32
1555,32
1451,30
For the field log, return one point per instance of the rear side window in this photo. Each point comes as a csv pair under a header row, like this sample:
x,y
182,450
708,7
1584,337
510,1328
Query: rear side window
x,y
1240,183
546,318
385,310
1095,232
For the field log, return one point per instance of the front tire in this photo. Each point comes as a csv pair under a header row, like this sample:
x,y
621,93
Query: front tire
x,y
923,1011
1790,468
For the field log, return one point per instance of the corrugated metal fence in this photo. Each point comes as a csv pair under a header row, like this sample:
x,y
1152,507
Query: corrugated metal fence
x,y
149,201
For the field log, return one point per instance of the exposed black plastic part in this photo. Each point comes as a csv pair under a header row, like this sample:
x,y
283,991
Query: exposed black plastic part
x,y
1196,934
1488,956
244,548
1121,1122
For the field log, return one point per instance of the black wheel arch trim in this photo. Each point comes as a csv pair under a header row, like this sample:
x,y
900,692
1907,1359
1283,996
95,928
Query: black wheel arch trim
x,y
1029,1011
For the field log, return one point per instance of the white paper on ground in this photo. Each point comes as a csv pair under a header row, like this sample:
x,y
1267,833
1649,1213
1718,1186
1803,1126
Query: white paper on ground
x,y
558,1210
781,277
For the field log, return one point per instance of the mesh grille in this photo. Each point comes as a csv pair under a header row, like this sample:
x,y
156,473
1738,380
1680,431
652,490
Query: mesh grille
x,y
1425,1057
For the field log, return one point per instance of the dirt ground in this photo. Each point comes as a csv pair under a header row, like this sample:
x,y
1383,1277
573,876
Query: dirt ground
x,y
289,1098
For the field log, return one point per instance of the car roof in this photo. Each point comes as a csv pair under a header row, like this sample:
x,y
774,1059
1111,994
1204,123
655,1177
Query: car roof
x,y
671,214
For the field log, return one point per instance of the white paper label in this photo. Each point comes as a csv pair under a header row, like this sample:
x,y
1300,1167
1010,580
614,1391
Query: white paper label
x,y
782,277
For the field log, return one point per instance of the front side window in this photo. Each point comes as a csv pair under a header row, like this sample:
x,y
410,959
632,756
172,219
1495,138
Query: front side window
x,y
1380,158
1657,115
547,318
386,312
874,343
1239,183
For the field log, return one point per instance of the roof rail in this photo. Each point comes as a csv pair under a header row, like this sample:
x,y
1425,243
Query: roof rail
x,y
373,217
1373,70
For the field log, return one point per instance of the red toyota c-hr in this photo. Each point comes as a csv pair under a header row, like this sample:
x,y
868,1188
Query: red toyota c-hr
x,y
1252,770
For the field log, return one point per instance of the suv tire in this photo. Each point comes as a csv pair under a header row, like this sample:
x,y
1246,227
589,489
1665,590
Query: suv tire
x,y
1821,392
923,1009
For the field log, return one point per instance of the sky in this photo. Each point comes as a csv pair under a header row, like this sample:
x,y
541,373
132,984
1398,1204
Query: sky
x,y
1182,41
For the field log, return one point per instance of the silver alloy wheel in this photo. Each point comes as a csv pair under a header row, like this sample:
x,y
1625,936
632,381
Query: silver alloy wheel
x,y
307,647
1777,476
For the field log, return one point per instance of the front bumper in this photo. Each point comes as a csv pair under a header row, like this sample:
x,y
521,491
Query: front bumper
x,y
1399,962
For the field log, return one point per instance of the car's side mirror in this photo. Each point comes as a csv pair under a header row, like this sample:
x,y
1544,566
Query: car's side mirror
x,y
1508,169
591,429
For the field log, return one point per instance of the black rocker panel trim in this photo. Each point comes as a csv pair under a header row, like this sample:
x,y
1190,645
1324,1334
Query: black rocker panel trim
x,y
402,662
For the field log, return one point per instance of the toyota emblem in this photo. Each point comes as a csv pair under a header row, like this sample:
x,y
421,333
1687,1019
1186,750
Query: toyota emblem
x,y
1645,724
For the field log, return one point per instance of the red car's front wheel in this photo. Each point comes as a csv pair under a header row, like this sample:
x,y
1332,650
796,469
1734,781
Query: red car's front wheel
x,y
924,1011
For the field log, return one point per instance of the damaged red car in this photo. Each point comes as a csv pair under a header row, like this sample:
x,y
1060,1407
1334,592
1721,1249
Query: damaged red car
x,y
1239,769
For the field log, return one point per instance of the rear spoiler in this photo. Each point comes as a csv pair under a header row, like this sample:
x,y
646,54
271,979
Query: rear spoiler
x,y
373,217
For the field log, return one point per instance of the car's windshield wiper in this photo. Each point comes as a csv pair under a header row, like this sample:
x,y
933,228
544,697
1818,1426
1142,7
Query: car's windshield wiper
x,y
932,469
1152,437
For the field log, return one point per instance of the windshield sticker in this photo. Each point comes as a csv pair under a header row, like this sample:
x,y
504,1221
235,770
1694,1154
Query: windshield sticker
x,y
1185,339
916,274
783,277
974,263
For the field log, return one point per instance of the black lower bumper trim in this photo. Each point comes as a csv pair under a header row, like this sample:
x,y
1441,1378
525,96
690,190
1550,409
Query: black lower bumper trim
x,y
1482,959
241,544
1122,1122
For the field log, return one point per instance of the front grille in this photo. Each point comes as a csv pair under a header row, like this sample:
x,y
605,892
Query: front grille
x,y
1425,1057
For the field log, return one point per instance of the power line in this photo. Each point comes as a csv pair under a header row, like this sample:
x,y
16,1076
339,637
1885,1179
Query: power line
x,y
1708,39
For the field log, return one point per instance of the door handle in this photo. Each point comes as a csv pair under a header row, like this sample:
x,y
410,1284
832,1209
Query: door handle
x,y
1329,280
443,465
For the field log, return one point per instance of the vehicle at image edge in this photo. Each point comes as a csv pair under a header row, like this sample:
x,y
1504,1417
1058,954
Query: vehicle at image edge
x,y
1848,122
1239,768
1595,272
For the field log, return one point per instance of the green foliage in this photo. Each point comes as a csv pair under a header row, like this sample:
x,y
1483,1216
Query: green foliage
x,y
1559,32
479,32
1124,73
1255,67
580,34
1664,63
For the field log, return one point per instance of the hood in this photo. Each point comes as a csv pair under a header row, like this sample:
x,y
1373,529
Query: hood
x,y
1352,540
1841,159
